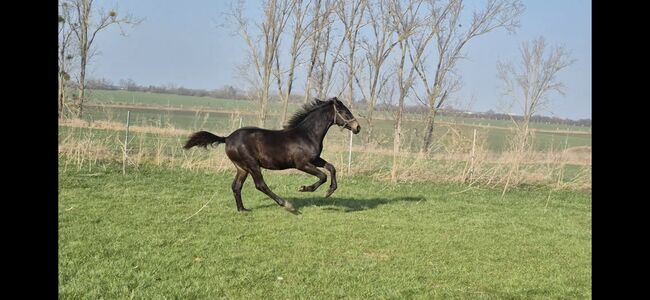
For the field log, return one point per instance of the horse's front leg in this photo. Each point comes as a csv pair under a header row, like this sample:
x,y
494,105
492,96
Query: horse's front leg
x,y
321,163
313,170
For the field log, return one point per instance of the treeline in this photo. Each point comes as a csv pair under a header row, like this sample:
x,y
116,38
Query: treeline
x,y
450,111
492,115
225,92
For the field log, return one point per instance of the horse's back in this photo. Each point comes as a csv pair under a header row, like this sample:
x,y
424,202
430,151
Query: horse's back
x,y
255,133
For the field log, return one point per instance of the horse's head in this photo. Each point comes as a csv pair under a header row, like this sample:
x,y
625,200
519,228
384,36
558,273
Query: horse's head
x,y
343,117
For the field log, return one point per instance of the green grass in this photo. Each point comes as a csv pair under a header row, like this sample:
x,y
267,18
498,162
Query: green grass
x,y
130,97
155,99
125,236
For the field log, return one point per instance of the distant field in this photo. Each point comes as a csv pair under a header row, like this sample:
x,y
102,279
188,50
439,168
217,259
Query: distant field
x,y
224,122
129,97
508,123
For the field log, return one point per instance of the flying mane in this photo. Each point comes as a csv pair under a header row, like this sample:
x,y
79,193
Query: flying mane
x,y
302,113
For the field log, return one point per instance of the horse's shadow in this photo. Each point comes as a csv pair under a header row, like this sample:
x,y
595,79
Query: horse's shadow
x,y
350,204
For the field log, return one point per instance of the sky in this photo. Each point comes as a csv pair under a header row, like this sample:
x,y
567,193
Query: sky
x,y
192,44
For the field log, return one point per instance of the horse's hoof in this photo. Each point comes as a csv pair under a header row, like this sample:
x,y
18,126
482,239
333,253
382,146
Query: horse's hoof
x,y
243,209
304,189
329,192
288,206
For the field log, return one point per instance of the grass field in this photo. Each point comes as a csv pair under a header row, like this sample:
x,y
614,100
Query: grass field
x,y
130,237
169,227
153,99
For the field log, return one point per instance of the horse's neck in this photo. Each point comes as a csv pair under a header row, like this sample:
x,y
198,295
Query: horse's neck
x,y
317,124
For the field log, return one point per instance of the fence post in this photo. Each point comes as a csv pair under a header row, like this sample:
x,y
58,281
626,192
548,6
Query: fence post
x,y
472,156
350,153
126,142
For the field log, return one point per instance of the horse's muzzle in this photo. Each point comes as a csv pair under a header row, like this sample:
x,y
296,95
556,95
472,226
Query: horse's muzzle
x,y
355,127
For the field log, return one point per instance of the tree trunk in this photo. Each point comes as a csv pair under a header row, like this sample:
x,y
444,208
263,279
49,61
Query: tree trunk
x,y
396,142
289,86
82,90
285,106
369,119
83,55
263,105
323,69
315,45
61,96
428,133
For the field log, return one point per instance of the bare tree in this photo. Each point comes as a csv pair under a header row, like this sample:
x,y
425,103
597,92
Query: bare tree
x,y
327,61
413,36
276,15
314,41
65,55
323,59
298,41
86,28
326,49
377,48
350,14
528,84
451,38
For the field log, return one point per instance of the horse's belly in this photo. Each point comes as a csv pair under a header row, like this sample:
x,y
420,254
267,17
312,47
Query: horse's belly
x,y
275,160
274,164
275,152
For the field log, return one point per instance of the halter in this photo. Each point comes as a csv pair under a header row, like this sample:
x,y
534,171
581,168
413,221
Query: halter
x,y
347,121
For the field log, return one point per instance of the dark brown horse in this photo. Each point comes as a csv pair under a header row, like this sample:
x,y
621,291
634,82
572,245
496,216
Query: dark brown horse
x,y
298,146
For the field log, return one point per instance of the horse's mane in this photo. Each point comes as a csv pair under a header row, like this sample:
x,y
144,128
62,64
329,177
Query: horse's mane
x,y
302,113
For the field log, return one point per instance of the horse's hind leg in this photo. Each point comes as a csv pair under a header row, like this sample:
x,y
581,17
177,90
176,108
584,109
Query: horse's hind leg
x,y
236,187
313,170
256,173
321,163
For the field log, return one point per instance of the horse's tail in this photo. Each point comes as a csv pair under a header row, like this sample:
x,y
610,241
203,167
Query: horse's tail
x,y
203,139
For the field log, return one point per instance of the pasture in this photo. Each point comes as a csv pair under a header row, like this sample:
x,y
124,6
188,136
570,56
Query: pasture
x,y
137,236
203,113
169,228
179,101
